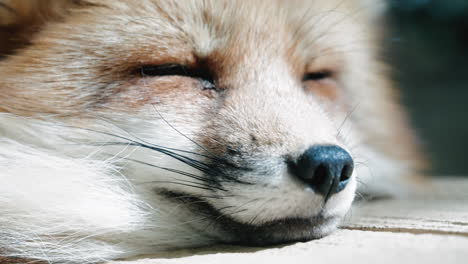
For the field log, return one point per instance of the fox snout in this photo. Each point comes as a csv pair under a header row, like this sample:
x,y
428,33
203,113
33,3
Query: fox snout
x,y
294,177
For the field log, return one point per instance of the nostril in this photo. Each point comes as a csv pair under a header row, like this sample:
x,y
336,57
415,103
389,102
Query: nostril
x,y
326,169
319,176
346,173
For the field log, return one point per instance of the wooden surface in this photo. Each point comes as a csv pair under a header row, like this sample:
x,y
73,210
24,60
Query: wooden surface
x,y
428,227
441,209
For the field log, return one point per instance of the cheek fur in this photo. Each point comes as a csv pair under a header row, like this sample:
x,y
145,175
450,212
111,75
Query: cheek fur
x,y
326,90
169,90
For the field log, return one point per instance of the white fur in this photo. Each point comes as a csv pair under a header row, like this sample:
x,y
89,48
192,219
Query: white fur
x,y
66,201
67,195
74,205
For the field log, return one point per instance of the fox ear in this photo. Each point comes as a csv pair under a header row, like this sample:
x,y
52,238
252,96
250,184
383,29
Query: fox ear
x,y
20,19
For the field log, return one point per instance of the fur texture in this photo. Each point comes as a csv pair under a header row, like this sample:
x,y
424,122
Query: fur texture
x,y
100,161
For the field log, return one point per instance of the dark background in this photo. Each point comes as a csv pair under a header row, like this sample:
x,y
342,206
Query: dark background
x,y
428,48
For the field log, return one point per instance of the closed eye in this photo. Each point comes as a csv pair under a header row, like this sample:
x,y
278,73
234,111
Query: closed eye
x,y
172,69
322,83
318,75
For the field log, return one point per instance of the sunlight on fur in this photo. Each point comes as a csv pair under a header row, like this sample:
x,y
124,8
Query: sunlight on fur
x,y
133,127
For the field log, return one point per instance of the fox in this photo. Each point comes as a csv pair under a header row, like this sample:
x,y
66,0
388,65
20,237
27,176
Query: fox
x,y
139,126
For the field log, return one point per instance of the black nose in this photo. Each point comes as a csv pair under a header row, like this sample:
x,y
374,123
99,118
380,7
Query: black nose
x,y
327,169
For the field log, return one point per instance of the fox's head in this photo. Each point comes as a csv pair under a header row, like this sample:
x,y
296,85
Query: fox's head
x,y
244,122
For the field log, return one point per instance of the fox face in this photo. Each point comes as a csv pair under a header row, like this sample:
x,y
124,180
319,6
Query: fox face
x,y
130,127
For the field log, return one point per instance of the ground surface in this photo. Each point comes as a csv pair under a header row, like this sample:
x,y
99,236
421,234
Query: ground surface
x,y
429,227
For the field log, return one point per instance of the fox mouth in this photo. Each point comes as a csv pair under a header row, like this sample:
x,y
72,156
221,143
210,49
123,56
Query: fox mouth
x,y
280,231
275,232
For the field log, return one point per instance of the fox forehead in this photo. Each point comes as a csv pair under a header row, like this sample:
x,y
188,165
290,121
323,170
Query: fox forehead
x,y
101,41
181,31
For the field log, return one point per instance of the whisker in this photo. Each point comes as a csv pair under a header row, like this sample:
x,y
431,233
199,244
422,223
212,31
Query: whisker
x,y
348,116
158,148
182,134
259,212
194,185
137,143
151,144
193,176
242,205
168,151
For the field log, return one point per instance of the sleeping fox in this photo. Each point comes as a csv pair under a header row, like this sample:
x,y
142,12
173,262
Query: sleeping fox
x,y
136,126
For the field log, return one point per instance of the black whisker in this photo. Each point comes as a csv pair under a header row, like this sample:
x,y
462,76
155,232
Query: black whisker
x,y
138,143
184,159
182,134
184,184
193,176
151,144
204,196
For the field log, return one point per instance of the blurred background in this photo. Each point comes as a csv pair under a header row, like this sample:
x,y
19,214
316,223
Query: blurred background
x,y
428,48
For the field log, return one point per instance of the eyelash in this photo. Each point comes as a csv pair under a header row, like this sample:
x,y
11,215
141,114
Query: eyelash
x,y
172,69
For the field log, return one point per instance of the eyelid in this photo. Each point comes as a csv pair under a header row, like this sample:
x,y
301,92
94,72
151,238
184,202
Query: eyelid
x,y
318,75
165,70
174,69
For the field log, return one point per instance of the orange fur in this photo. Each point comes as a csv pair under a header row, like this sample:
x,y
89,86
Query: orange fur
x,y
75,63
